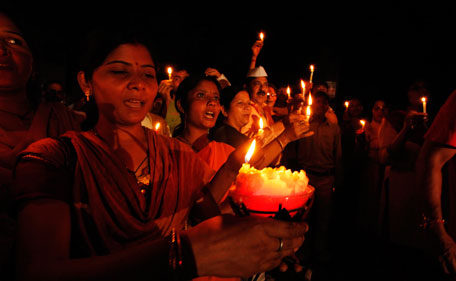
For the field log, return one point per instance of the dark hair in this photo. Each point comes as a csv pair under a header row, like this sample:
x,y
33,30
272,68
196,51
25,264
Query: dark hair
x,y
321,94
184,88
99,43
227,95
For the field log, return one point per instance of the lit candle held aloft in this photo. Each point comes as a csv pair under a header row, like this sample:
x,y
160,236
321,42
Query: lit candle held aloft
x,y
312,69
289,92
347,103
423,100
170,72
363,123
309,104
261,36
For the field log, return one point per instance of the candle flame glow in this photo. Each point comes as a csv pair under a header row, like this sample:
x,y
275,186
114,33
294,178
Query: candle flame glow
x,y
347,104
362,122
261,123
289,92
312,68
308,111
423,99
261,36
170,71
310,99
250,152
303,86
157,126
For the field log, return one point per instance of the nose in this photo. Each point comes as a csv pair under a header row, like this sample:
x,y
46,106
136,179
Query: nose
x,y
213,101
3,48
136,83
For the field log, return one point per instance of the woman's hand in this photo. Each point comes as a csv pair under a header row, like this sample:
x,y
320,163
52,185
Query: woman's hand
x,y
165,88
229,246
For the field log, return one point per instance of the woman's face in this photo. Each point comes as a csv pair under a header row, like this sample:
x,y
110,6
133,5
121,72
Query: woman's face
x,y
15,57
204,105
240,110
378,111
125,85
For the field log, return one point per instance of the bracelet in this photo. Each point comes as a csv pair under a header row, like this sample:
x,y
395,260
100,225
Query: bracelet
x,y
175,255
428,222
280,143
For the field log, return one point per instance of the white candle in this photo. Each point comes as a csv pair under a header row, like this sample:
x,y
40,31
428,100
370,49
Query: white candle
x,y
423,100
312,68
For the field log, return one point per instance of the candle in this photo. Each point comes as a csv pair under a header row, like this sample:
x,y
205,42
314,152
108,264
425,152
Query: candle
x,y
157,126
260,131
289,92
264,192
170,71
262,36
309,103
312,68
347,103
423,100
250,152
363,123
303,86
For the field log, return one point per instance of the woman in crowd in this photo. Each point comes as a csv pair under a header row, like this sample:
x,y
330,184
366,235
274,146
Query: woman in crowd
x,y
23,118
111,203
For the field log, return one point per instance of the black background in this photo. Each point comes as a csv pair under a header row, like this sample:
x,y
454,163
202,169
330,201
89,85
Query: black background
x,y
370,50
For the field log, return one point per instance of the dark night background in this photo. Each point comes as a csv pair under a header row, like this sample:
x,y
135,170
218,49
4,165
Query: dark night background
x,y
370,50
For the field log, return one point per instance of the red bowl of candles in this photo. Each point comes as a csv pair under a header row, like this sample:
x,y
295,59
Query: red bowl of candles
x,y
266,192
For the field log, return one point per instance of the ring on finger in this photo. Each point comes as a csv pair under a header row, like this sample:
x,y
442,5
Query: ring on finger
x,y
280,245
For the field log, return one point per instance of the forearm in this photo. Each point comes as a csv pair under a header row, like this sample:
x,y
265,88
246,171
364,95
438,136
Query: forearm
x,y
222,180
273,149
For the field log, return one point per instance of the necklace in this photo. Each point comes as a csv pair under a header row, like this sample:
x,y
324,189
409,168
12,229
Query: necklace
x,y
143,180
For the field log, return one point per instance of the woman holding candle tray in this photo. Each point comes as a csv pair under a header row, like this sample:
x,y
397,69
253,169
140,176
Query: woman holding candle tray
x,y
111,203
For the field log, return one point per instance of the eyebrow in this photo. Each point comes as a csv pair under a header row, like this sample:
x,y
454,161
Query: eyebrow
x,y
15,32
126,63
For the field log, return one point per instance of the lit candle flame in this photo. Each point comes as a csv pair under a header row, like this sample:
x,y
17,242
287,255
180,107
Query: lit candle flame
x,y
261,36
308,112
303,86
170,71
250,152
312,68
157,126
310,99
261,123
423,100
362,123
347,104
289,92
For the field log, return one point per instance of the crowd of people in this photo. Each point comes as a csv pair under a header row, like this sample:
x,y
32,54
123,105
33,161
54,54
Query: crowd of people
x,y
131,179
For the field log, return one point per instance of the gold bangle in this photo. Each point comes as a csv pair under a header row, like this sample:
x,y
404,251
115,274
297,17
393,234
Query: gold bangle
x,y
280,143
428,222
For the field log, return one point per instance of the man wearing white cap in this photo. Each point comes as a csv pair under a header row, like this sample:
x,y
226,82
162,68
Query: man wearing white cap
x,y
257,86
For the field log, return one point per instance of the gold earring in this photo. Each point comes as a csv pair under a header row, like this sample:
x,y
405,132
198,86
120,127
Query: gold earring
x,y
87,94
